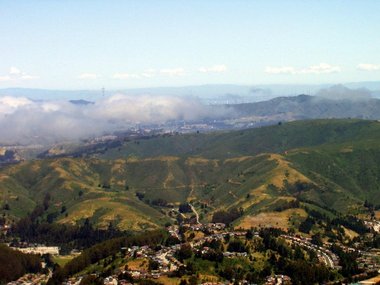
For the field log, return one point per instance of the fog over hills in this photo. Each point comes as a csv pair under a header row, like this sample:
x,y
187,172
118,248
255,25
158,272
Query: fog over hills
x,y
26,120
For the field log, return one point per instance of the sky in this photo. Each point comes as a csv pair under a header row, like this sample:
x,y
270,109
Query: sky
x,y
79,44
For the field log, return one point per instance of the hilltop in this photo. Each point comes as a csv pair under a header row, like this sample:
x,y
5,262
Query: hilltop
x,y
313,107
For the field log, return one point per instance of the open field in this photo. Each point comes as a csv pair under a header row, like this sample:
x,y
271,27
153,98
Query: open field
x,y
61,260
271,219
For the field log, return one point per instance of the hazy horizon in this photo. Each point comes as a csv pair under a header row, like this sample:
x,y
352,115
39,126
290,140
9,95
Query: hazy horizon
x,y
156,61
145,44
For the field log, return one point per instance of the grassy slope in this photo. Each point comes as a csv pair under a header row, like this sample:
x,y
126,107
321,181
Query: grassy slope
x,y
273,139
221,183
235,169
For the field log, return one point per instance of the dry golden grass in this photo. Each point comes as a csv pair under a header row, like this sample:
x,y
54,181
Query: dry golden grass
x,y
3,177
377,214
117,182
57,166
347,149
118,166
138,264
199,160
283,167
208,278
117,170
237,159
168,280
374,280
162,158
34,167
257,196
198,235
282,171
350,233
132,160
271,219
169,179
76,173
128,218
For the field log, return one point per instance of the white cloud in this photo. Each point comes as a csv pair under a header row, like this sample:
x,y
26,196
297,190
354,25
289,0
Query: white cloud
x,y
88,76
28,77
216,69
322,68
368,66
149,73
10,104
5,78
280,70
173,71
16,74
50,107
14,71
125,76
15,102
25,121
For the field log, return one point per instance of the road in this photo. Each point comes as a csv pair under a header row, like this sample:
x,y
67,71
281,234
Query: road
x,y
327,259
195,212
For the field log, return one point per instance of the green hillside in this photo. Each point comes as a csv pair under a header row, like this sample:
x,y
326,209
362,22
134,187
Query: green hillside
x,y
105,191
327,165
272,139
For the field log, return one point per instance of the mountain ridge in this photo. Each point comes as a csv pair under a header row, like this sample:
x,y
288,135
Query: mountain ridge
x,y
319,163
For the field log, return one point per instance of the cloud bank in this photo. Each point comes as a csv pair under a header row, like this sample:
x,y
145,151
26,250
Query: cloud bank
x,y
26,121
213,69
322,68
16,74
88,76
368,67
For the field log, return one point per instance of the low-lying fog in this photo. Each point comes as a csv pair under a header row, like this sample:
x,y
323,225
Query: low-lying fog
x,y
24,121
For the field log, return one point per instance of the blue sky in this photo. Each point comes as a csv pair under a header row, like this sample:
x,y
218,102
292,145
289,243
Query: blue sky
x,y
63,44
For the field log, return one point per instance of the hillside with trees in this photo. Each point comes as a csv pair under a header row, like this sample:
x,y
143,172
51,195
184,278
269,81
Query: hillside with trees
x,y
330,165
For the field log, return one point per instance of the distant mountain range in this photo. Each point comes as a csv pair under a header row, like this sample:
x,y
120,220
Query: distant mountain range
x,y
212,93
310,107
336,102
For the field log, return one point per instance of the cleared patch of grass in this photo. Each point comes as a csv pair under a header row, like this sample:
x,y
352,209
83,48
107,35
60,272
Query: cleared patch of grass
x,y
168,280
61,260
271,219
138,264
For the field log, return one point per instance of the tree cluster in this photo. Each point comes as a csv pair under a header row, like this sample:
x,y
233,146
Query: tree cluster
x,y
227,217
103,250
14,264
